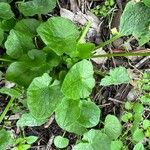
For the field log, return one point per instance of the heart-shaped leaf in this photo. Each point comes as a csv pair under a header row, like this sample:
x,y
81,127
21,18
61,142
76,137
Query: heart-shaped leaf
x,y
79,81
43,96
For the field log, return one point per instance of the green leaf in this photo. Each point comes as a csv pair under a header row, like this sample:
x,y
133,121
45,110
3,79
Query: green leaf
x,y
116,145
52,58
137,121
11,92
131,21
138,146
126,117
79,81
9,24
59,34
147,3
26,69
90,114
7,1
27,26
18,43
20,140
31,139
94,140
67,113
45,95
112,127
145,99
5,11
28,120
85,50
61,142
76,128
22,147
1,36
128,105
146,124
138,108
31,8
116,76
5,139
147,134
138,135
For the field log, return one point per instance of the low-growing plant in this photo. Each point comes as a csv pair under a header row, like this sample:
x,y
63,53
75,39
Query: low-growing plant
x,y
49,61
104,9
24,143
134,118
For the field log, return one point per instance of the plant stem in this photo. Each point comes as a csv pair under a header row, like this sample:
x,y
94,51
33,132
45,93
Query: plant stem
x,y
122,55
6,109
40,17
85,31
6,60
108,41
64,134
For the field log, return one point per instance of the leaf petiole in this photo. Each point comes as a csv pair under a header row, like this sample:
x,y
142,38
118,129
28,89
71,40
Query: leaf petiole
x,y
122,55
6,60
117,36
6,109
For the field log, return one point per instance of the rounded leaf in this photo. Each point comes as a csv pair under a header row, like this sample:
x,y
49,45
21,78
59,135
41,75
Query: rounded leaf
x,y
67,112
116,145
61,142
33,7
28,120
146,123
112,127
90,114
76,128
95,140
43,96
27,26
138,146
145,99
18,43
59,34
31,139
24,71
5,139
138,108
79,81
5,11
138,135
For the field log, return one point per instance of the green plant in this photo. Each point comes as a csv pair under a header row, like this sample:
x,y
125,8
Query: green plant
x,y
114,79
146,2
103,10
6,139
50,64
138,127
102,139
61,142
130,24
24,143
